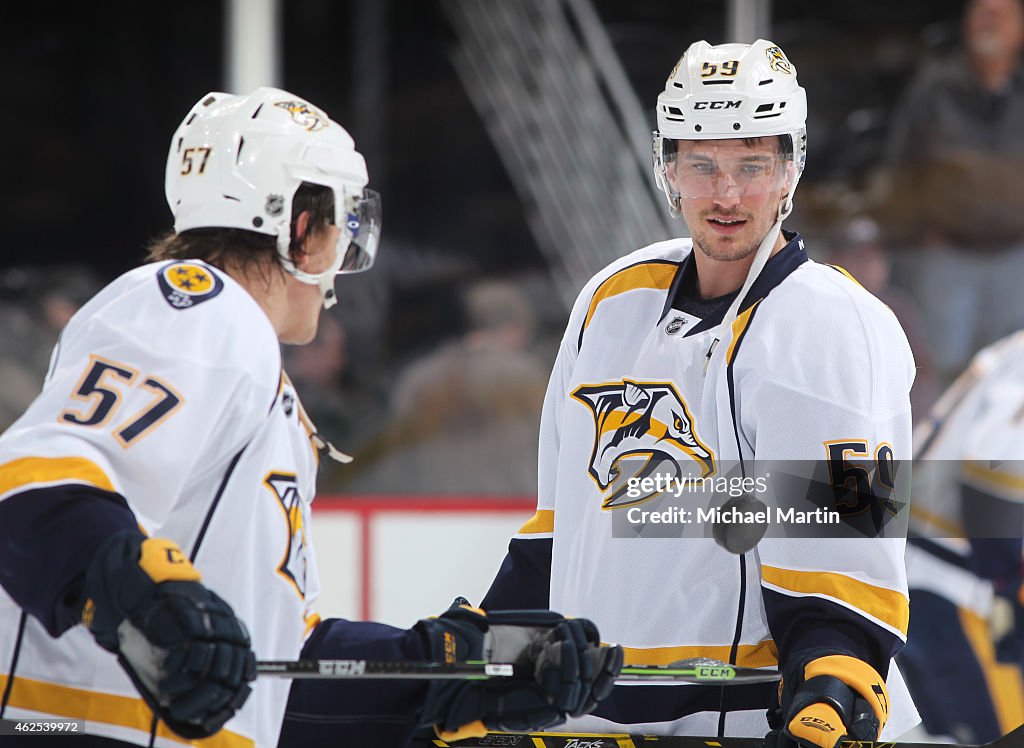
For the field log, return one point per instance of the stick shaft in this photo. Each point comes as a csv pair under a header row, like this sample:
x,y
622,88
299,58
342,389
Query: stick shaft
x,y
717,674
370,669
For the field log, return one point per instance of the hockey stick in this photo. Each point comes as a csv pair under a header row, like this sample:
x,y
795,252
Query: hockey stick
x,y
685,671
1014,739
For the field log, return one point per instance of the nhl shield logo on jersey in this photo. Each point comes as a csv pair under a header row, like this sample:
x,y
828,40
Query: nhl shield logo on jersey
x,y
304,114
185,284
645,421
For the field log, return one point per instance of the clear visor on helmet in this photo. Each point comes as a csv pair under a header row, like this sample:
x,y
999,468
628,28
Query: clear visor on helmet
x,y
357,246
715,168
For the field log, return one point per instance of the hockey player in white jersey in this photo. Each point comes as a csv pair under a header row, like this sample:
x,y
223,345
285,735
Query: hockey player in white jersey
x,y
728,348
965,650
158,490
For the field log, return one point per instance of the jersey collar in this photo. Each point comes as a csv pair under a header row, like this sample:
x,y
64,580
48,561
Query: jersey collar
x,y
778,267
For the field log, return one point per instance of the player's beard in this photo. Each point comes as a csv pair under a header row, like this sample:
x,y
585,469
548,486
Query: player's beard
x,y
713,246
728,254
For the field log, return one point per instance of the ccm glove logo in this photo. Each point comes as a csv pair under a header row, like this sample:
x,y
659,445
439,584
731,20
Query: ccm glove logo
x,y
817,723
163,561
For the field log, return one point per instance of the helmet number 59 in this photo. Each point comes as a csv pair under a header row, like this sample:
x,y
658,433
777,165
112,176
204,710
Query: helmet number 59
x,y
189,157
728,68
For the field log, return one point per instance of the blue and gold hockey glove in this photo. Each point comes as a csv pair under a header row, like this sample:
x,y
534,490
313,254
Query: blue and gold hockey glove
x,y
572,670
181,644
827,698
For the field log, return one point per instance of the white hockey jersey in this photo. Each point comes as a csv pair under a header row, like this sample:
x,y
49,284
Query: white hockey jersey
x,y
813,362
974,436
167,389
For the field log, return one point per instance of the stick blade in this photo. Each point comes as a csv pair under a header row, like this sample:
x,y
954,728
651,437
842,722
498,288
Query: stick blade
x,y
1013,739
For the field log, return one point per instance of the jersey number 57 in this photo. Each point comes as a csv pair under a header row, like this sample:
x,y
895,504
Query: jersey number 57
x,y
101,387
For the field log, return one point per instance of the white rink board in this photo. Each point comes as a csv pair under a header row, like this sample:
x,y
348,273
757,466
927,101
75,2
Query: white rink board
x,y
421,562
418,557
336,544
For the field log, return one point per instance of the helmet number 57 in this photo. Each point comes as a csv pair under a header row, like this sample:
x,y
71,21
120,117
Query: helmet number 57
x,y
190,155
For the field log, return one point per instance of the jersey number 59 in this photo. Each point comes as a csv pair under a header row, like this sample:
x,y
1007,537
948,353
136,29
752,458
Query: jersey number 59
x,y
859,479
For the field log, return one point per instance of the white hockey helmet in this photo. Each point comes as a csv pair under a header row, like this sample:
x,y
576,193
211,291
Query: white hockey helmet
x,y
237,161
730,91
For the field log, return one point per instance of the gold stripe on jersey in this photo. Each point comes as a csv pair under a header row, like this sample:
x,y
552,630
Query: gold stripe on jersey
x,y
846,272
762,654
312,620
888,606
656,275
542,521
739,328
104,708
27,471
982,476
1005,684
948,526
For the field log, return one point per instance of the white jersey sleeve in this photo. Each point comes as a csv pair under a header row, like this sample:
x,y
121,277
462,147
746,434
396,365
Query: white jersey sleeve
x,y
831,405
993,460
835,396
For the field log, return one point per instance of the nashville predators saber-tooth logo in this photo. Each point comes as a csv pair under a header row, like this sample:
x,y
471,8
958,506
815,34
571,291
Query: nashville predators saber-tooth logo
x,y
294,564
640,420
777,61
304,114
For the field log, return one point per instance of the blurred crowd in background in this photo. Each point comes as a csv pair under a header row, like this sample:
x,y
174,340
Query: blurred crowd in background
x,y
432,370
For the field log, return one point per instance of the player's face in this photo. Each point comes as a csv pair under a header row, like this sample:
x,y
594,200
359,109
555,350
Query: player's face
x,y
304,300
730,191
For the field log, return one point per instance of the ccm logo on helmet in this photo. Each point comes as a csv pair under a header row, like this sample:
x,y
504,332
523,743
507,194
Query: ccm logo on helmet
x,y
716,105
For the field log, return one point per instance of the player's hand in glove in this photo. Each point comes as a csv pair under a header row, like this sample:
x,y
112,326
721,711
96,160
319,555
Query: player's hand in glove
x,y
181,644
572,671
827,698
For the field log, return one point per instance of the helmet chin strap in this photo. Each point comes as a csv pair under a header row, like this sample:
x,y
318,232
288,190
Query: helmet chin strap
x,y
762,255
324,280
